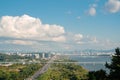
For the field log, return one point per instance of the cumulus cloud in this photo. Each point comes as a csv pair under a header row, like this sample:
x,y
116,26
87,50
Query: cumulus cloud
x,y
80,39
59,39
92,11
27,27
113,6
93,40
20,42
26,30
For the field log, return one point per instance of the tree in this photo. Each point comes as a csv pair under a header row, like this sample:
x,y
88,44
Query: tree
x,y
4,75
114,66
91,75
100,75
97,75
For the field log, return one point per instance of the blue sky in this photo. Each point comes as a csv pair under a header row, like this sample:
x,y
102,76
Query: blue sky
x,y
59,24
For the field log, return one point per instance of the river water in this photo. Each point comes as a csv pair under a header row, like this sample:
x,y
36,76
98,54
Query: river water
x,y
94,62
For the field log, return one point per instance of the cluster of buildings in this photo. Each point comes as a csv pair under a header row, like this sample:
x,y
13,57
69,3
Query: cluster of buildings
x,y
93,53
27,57
42,55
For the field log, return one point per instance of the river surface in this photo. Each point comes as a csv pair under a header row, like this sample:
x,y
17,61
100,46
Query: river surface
x,y
94,61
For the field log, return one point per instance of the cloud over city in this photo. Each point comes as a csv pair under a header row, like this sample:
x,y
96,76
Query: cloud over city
x,y
27,27
31,32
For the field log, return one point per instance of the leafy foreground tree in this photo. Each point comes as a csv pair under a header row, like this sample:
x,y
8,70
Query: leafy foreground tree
x,y
114,66
97,75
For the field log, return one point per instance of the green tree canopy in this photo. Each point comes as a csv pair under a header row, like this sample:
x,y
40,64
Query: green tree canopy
x,y
114,66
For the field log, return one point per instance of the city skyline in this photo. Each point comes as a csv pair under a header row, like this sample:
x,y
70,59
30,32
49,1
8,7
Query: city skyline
x,y
50,25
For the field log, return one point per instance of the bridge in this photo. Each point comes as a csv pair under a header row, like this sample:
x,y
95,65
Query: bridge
x,y
82,55
54,62
83,62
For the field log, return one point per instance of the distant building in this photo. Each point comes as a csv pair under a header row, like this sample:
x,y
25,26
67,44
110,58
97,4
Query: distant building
x,y
37,56
43,55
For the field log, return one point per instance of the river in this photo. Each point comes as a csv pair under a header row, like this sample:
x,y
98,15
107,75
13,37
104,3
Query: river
x,y
94,61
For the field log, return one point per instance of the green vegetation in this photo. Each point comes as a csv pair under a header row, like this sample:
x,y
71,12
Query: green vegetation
x,y
65,72
18,71
75,72
5,57
114,68
97,75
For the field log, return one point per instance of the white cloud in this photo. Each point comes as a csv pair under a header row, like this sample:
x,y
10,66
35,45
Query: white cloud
x,y
20,42
108,44
26,30
92,11
78,37
27,27
113,6
59,39
93,40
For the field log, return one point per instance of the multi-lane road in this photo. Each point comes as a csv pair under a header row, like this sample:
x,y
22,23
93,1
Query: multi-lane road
x,y
44,69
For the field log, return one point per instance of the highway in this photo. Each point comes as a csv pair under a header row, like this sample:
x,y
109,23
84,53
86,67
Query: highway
x,y
44,69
